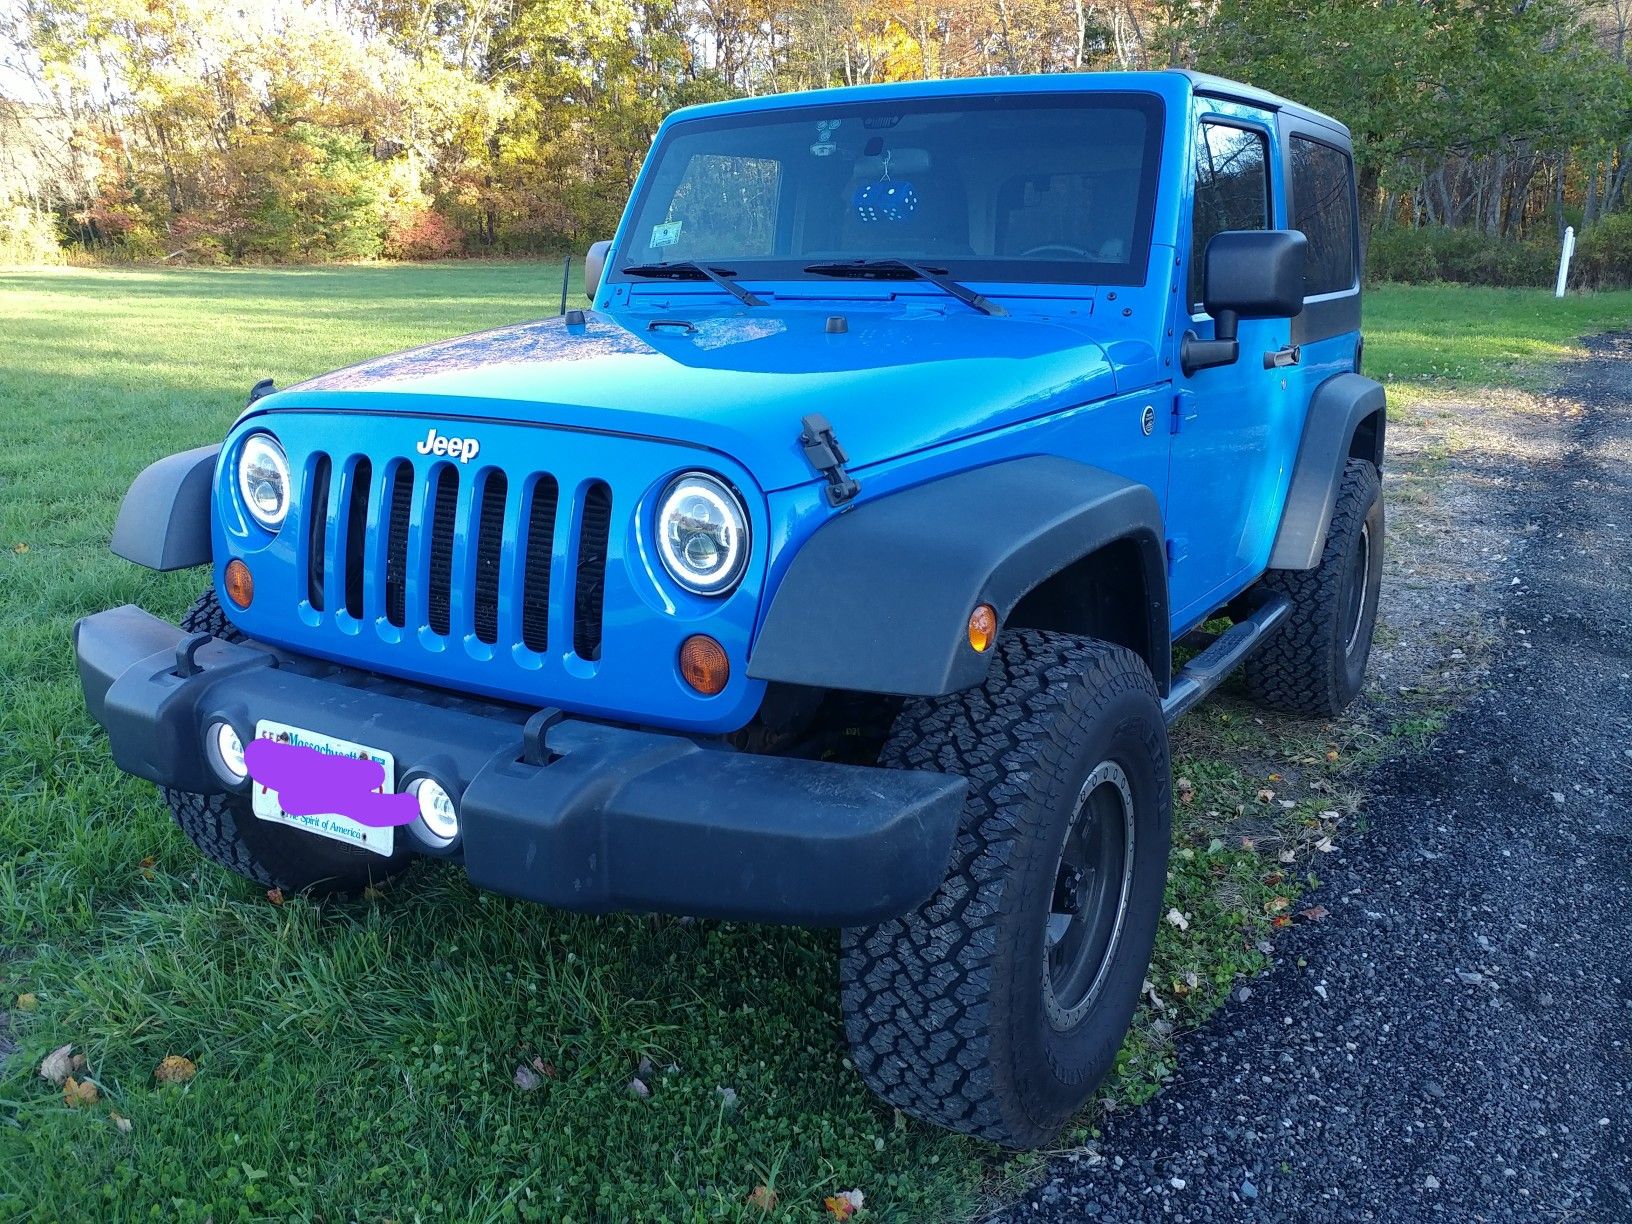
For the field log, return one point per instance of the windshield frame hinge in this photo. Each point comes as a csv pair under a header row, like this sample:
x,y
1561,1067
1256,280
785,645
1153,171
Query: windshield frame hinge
x,y
823,452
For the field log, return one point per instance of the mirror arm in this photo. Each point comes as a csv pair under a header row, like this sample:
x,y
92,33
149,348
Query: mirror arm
x,y
1223,349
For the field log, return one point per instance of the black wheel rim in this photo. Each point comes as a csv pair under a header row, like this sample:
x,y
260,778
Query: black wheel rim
x,y
1089,907
1354,605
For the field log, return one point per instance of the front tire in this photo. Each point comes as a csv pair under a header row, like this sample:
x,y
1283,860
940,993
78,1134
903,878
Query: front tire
x,y
230,835
998,1005
1316,663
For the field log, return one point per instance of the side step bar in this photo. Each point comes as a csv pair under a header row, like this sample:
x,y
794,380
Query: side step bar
x,y
1208,669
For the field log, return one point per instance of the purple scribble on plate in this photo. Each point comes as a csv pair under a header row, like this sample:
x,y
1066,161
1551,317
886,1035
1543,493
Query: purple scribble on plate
x,y
313,783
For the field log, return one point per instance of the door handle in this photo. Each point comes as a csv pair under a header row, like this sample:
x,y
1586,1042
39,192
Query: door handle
x,y
1283,357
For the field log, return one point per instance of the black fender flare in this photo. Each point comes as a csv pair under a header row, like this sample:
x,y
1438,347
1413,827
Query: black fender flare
x,y
1336,411
878,599
164,521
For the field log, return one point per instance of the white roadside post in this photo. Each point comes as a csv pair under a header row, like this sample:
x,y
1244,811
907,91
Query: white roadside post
x,y
1564,260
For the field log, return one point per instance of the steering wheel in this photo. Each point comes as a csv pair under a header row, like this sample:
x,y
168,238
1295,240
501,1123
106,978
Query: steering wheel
x,y
1055,248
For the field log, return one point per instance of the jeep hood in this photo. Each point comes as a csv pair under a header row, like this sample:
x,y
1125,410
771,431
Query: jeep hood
x,y
900,379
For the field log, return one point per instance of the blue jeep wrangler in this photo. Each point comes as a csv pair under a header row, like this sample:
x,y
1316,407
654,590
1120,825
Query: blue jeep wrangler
x,y
829,570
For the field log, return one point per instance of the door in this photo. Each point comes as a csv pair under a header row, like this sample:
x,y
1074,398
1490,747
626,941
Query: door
x,y
1233,437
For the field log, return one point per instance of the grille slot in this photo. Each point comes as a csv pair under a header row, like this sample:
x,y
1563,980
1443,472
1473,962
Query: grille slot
x,y
489,543
396,543
318,525
590,588
445,507
539,550
362,477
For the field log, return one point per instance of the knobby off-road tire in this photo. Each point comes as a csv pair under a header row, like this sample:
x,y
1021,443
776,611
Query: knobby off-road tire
x,y
1316,663
272,855
951,1011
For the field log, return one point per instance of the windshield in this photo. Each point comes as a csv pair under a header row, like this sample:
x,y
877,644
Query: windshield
x,y
1005,188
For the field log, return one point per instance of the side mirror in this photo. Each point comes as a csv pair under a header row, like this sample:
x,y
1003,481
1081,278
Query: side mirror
x,y
595,266
1246,274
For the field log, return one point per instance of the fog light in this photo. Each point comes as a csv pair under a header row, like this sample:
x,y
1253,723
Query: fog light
x,y
226,753
240,586
982,627
704,665
438,817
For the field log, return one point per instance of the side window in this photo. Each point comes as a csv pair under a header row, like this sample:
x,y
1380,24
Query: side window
x,y
721,203
1323,208
1232,189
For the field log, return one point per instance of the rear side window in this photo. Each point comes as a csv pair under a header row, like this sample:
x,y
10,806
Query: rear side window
x,y
1323,208
1232,189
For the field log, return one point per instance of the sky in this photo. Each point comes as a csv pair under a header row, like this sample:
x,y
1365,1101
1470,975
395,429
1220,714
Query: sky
x,y
13,83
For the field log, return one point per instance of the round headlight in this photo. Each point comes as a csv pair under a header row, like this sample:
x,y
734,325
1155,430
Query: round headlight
x,y
263,480
702,534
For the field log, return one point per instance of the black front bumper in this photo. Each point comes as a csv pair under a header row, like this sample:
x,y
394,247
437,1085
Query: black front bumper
x,y
592,817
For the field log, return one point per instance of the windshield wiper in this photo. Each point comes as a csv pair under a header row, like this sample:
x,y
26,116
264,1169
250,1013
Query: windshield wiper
x,y
902,269
686,269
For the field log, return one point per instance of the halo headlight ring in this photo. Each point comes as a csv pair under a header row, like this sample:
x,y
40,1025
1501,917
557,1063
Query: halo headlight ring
x,y
702,534
263,479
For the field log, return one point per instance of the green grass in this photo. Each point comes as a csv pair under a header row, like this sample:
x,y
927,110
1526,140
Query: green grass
x,y
1422,337
355,1061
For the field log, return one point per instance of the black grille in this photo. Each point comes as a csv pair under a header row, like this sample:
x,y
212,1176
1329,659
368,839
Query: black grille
x,y
489,542
538,551
316,550
356,534
590,589
396,542
446,506
385,542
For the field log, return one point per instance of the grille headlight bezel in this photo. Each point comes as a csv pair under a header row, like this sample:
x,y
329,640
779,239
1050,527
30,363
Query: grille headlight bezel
x,y
702,534
263,469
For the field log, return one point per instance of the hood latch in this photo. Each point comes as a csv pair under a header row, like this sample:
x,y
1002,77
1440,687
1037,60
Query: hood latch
x,y
825,454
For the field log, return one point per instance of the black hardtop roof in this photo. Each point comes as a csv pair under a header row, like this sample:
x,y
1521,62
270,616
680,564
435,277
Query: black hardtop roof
x,y
1209,86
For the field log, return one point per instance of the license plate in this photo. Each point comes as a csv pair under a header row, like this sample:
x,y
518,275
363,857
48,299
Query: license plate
x,y
265,803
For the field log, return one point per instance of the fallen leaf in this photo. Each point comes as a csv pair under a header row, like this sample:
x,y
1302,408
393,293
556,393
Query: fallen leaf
x,y
1186,790
1332,756
544,1067
762,1197
27,1002
76,1093
1178,920
148,863
1265,796
20,549
1275,905
1273,878
1314,913
1325,846
57,1065
637,1088
119,1120
843,1205
1288,856
1281,920
526,1079
275,895
174,1069
1274,777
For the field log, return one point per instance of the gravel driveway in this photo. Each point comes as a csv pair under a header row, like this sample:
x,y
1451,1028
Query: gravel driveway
x,y
1454,1042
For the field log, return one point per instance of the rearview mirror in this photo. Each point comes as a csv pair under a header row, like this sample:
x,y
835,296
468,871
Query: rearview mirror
x,y
1246,274
595,266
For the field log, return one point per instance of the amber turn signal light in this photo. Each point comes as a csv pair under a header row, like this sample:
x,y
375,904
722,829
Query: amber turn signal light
x,y
240,586
982,627
704,665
